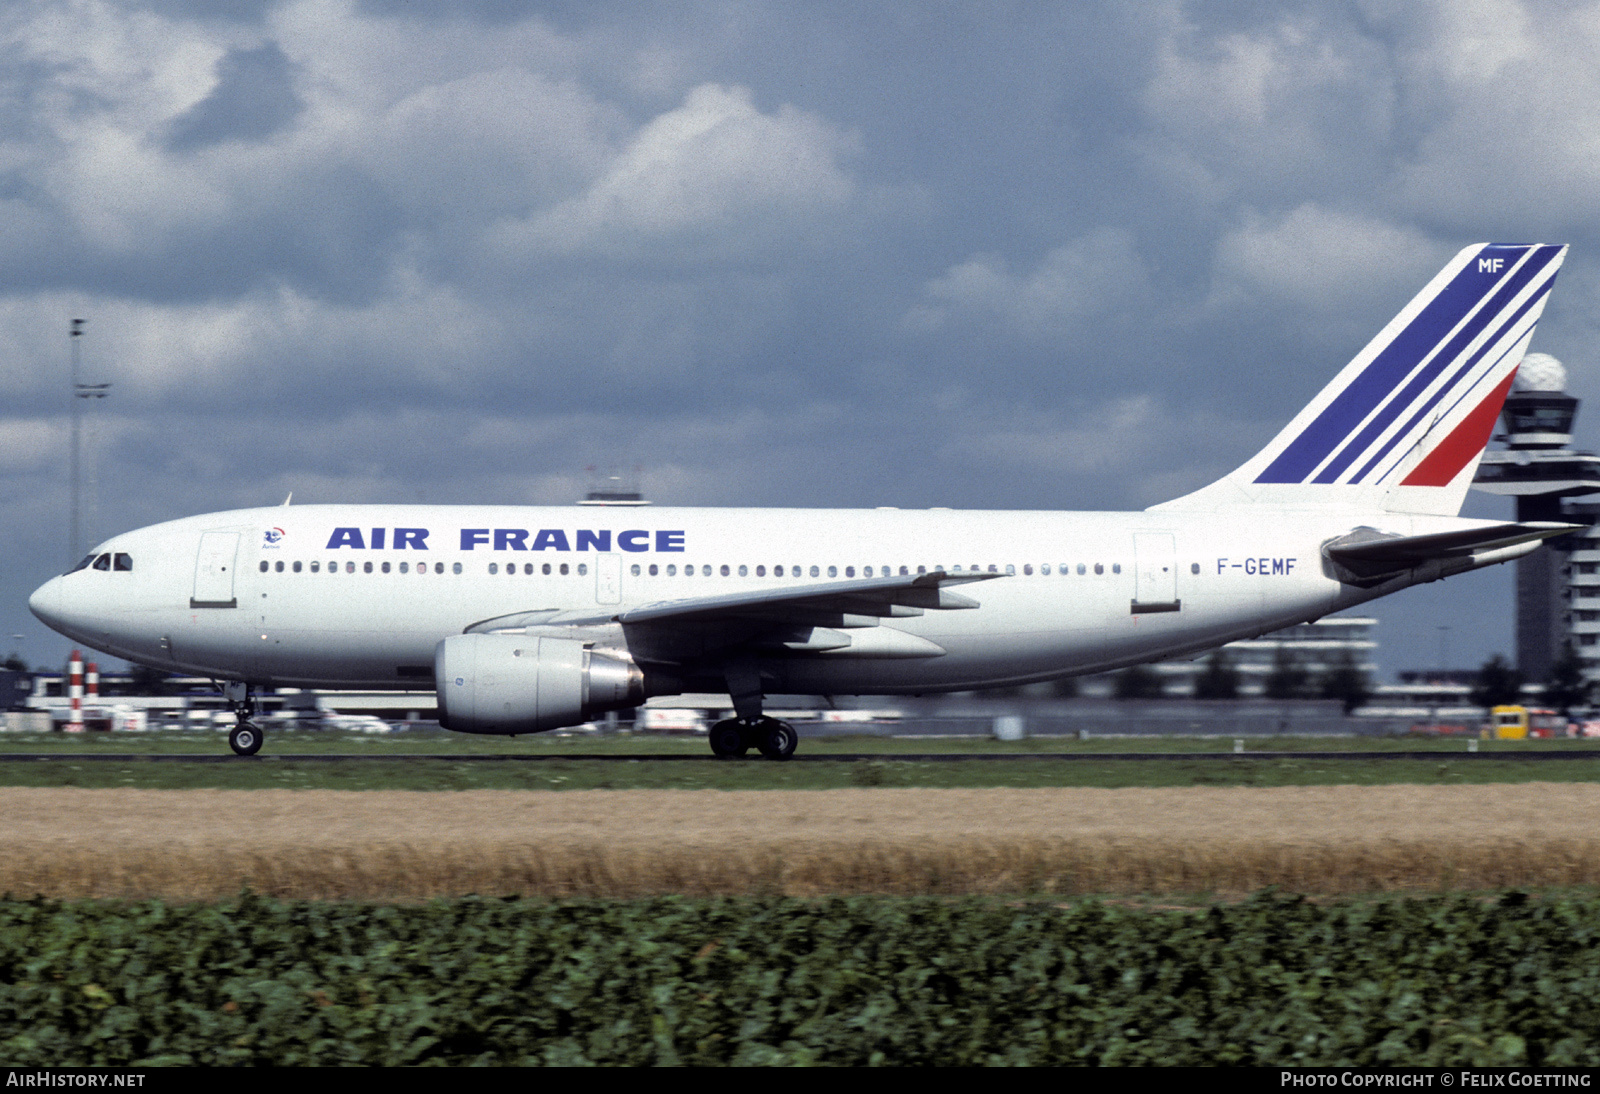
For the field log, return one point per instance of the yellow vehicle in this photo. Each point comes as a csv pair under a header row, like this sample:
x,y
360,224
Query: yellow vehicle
x,y
1513,723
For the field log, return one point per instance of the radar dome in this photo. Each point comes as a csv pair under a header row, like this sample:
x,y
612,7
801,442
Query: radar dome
x,y
1541,372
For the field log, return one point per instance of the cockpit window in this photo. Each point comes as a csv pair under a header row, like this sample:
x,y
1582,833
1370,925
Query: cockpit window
x,y
122,561
84,565
103,562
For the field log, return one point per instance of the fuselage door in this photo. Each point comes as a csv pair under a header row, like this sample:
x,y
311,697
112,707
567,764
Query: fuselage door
x,y
608,579
213,571
1155,573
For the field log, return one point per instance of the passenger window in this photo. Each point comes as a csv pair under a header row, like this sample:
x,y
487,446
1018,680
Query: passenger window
x,y
1011,570
761,571
922,569
385,567
103,562
438,567
833,571
494,568
993,569
527,569
456,568
814,572
366,567
546,569
724,569
350,567
1045,569
264,566
125,562
583,568
278,566
744,571
672,570
1099,569
563,569
1080,568
849,571
297,567
316,567
1027,570
652,569
867,570
705,571
777,571
635,569
1116,567
904,572
1194,567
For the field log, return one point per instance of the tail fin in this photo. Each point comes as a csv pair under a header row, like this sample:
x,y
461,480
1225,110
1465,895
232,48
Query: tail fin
x,y
1403,425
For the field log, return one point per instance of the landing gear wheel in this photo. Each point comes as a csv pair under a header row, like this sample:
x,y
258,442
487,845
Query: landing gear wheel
x,y
728,740
245,739
777,739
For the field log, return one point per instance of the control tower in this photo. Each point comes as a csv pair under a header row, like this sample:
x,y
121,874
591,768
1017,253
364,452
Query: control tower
x,y
1558,588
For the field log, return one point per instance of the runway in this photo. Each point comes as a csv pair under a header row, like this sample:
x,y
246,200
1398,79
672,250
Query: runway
x,y
830,757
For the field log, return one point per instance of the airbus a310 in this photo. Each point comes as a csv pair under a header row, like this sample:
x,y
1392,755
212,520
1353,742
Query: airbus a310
x,y
532,618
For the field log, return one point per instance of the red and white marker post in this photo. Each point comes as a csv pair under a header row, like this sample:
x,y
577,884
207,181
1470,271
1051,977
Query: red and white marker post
x,y
75,693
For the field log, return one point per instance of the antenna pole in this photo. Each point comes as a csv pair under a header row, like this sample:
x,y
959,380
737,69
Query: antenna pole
x,y
74,532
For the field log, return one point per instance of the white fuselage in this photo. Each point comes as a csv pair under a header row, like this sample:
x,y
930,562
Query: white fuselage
x,y
360,596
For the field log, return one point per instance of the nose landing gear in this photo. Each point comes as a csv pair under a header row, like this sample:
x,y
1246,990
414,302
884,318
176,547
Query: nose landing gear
x,y
245,736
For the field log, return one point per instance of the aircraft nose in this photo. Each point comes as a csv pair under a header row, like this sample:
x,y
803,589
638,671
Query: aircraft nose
x,y
45,603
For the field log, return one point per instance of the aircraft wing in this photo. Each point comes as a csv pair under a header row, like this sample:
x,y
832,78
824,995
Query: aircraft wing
x,y
811,618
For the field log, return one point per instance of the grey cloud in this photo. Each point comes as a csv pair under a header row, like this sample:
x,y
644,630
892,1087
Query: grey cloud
x,y
253,99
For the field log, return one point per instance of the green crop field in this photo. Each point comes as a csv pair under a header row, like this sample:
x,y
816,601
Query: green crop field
x,y
858,981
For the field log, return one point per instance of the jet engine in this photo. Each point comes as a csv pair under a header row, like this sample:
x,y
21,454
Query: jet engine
x,y
513,683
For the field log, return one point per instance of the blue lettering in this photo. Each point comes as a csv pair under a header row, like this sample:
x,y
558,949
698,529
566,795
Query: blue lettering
x,y
600,541
1288,565
1221,562
415,538
550,538
1249,565
1277,566
510,539
473,536
377,539
629,541
346,537
1261,565
669,541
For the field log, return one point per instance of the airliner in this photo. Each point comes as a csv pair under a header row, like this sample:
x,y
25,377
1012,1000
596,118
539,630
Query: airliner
x,y
526,619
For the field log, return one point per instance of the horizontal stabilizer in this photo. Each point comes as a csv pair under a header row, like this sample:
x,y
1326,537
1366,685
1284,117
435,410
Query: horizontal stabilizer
x,y
1367,553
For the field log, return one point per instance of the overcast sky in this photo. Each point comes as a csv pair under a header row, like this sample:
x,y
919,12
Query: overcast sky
x,y
977,255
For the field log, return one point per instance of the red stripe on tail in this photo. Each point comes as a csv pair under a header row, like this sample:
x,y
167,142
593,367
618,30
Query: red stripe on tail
x,y
1468,439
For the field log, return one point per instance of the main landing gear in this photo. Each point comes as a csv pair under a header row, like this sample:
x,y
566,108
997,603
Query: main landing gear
x,y
733,737
749,728
245,736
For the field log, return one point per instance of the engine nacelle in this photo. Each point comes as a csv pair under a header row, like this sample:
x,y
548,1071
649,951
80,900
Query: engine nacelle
x,y
511,683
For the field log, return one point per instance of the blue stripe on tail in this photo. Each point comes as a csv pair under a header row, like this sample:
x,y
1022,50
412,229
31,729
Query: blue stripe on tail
x,y
1390,368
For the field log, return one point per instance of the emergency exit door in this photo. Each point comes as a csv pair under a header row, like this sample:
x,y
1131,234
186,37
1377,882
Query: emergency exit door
x,y
608,579
213,571
1155,573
